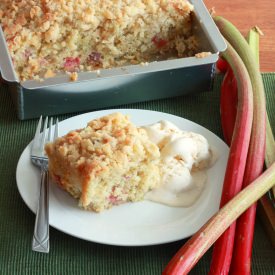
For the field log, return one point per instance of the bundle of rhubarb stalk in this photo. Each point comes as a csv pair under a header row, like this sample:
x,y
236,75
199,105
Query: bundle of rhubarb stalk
x,y
247,131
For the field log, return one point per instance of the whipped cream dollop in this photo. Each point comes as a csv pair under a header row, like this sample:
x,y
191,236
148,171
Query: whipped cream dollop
x,y
185,157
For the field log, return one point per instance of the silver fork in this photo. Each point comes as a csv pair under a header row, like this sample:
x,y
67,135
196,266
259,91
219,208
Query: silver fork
x,y
40,242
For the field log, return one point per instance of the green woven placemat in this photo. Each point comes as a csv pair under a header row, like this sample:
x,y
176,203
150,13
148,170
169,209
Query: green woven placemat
x,y
70,255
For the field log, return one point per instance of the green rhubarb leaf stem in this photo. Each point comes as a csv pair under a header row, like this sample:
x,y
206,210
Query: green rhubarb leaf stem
x,y
253,39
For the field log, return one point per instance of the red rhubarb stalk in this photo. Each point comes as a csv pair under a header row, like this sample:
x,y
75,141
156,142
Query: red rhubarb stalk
x,y
193,250
228,105
222,65
187,257
223,249
245,225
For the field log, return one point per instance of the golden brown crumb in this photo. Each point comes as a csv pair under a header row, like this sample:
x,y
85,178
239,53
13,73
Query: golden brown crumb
x,y
202,54
49,73
144,63
74,76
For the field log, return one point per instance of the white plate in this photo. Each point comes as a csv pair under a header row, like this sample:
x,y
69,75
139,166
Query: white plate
x,y
131,224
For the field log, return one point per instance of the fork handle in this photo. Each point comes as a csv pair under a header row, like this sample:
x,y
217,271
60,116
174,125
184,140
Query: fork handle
x,y
40,241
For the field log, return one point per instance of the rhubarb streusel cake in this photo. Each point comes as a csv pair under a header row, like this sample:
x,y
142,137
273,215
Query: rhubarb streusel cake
x,y
51,36
109,162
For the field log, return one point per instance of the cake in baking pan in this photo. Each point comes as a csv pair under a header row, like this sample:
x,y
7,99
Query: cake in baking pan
x,y
51,36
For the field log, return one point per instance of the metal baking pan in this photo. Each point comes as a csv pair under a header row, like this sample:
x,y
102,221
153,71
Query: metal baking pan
x,y
117,86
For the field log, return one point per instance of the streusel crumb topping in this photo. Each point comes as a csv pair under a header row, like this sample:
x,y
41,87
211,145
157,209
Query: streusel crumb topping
x,y
108,162
73,35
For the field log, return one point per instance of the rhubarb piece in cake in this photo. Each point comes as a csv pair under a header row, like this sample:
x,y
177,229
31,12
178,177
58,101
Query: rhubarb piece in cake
x,y
111,161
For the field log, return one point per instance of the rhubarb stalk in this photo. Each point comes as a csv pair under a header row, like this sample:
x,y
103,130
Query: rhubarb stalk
x,y
228,105
223,249
270,148
193,250
185,259
253,39
221,65
241,259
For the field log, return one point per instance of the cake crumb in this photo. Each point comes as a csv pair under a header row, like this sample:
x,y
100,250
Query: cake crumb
x,y
144,63
202,54
49,73
73,76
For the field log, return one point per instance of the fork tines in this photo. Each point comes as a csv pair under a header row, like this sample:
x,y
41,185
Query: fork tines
x,y
39,140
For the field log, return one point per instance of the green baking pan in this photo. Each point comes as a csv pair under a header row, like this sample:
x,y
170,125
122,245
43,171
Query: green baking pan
x,y
129,84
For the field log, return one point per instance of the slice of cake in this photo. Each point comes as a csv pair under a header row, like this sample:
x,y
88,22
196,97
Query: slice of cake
x,y
109,162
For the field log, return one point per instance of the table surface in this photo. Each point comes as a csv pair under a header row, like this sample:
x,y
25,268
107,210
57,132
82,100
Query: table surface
x,y
70,255
244,15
